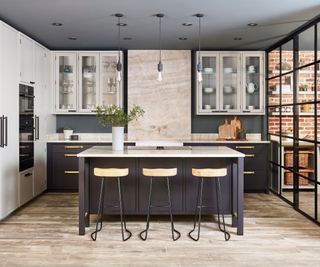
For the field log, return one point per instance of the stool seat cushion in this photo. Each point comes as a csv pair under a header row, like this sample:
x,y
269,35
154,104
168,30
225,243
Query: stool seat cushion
x,y
159,172
111,172
210,172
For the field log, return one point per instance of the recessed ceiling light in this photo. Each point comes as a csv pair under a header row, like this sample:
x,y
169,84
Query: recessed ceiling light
x,y
72,38
187,24
237,38
252,24
57,24
127,38
183,38
121,24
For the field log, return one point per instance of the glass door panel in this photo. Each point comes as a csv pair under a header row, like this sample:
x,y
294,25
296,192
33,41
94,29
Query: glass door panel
x,y
274,63
230,83
306,85
110,88
274,92
287,57
208,89
252,89
88,81
67,84
306,46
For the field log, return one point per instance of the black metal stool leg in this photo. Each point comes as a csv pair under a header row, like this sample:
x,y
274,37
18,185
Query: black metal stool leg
x,y
218,204
100,211
199,206
122,216
148,215
226,234
173,230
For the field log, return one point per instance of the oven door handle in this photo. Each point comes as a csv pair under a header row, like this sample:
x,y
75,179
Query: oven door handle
x,y
37,131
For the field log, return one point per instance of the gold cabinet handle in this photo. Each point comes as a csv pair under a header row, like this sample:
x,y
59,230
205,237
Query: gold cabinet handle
x,y
73,147
22,147
249,155
71,172
70,155
245,147
248,172
24,155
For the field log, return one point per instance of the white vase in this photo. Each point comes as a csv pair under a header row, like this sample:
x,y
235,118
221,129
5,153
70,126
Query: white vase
x,y
67,134
117,138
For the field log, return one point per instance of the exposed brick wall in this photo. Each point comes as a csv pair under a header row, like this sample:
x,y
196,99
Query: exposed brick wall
x,y
305,86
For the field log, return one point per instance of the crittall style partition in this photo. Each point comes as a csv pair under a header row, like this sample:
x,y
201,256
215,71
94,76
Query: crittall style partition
x,y
293,84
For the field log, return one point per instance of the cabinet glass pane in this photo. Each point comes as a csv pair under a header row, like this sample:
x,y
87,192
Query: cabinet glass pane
x,y
89,82
230,83
287,89
306,46
67,84
109,86
252,83
208,91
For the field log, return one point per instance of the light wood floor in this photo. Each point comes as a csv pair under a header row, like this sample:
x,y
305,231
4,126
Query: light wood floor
x,y
45,233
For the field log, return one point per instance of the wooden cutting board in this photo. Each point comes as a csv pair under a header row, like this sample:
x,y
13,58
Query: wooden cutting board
x,y
225,131
236,126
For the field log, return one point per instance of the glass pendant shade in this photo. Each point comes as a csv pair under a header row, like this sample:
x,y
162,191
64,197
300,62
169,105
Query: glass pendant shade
x,y
199,72
119,68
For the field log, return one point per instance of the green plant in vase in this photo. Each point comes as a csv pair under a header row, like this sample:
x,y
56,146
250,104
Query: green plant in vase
x,y
243,133
116,117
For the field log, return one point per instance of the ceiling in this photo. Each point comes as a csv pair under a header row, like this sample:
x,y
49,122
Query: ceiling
x,y
95,27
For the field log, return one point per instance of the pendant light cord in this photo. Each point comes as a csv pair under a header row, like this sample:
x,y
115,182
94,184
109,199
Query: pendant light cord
x,y
119,38
199,39
160,33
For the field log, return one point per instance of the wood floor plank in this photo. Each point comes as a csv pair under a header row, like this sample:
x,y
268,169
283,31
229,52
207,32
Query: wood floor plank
x,y
45,233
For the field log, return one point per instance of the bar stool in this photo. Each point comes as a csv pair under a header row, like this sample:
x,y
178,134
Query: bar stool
x,y
208,173
160,173
104,174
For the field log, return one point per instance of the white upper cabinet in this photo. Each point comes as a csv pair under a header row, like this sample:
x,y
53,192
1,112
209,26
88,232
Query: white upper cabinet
x,y
110,88
253,82
66,82
85,80
208,93
230,82
233,83
88,81
26,60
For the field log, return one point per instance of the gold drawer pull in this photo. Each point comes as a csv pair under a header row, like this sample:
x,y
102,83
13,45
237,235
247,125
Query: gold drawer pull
x,y
74,147
248,172
249,155
24,155
71,172
70,155
245,147
22,147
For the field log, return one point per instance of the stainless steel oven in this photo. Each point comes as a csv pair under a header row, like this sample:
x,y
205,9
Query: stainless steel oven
x,y
26,127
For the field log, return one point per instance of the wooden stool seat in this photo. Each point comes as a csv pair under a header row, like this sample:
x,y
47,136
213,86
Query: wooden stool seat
x,y
110,172
210,173
159,172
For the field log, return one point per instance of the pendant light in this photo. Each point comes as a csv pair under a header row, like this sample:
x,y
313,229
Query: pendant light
x,y
199,65
119,65
160,66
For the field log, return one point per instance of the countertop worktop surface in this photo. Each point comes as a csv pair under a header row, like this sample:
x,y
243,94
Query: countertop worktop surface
x,y
192,152
194,139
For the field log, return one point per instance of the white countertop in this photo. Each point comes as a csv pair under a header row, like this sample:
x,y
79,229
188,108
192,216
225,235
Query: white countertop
x,y
193,152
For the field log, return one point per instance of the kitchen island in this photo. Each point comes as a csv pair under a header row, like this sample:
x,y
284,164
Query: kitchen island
x,y
183,186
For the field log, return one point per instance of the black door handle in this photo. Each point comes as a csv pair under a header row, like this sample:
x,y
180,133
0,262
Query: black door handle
x,y
1,132
5,143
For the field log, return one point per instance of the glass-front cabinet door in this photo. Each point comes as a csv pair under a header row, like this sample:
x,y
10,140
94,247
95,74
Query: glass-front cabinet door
x,y
110,87
252,82
208,88
230,82
66,82
88,81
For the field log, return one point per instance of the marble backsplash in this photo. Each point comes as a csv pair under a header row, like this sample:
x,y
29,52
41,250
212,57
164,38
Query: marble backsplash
x,y
167,104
